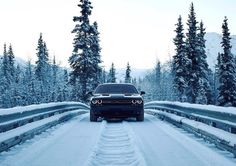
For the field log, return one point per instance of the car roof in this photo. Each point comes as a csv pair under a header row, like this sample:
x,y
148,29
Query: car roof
x,y
116,84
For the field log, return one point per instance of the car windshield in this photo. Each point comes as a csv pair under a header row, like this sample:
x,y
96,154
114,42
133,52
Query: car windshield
x,y
116,89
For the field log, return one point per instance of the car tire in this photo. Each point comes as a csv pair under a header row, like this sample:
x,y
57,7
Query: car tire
x,y
140,117
93,118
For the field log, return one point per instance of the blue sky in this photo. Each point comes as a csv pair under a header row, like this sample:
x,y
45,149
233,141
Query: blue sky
x,y
135,31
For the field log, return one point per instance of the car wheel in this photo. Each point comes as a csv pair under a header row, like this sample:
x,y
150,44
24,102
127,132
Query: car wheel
x,y
140,117
93,118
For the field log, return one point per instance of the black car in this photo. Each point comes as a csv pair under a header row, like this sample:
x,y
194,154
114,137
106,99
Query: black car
x,y
113,100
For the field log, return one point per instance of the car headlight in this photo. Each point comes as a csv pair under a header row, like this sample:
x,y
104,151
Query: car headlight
x,y
96,101
137,101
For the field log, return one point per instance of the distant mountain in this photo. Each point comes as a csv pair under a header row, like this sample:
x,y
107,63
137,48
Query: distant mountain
x,y
135,73
18,61
213,46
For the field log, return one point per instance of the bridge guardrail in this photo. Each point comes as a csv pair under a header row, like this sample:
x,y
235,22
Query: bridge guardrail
x,y
15,138
20,118
219,119
28,111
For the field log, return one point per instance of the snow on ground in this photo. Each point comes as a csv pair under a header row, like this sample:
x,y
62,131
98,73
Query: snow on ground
x,y
80,142
21,109
115,147
231,110
165,145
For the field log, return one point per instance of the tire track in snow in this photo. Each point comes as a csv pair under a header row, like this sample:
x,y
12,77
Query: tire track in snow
x,y
115,147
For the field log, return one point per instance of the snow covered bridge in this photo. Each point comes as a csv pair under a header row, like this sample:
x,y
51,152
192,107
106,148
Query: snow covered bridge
x,y
62,135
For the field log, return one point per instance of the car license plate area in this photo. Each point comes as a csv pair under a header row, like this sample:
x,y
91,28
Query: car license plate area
x,y
117,102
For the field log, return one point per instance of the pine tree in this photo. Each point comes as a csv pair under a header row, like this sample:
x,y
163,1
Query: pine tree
x,y
96,57
17,88
216,78
112,74
11,61
128,74
65,91
47,68
8,77
86,53
192,54
43,60
18,74
104,76
29,82
1,83
210,91
54,71
203,90
180,63
5,81
157,81
5,65
42,71
54,80
226,71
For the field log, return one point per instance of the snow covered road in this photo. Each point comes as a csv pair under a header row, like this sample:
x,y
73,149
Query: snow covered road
x,y
149,143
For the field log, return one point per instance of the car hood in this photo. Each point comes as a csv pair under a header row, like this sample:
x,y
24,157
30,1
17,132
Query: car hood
x,y
118,96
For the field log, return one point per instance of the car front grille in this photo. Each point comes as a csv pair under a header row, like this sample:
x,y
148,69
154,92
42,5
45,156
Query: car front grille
x,y
116,102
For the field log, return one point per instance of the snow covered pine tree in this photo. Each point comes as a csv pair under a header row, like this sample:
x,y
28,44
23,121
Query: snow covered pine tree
x,y
180,63
127,74
226,70
85,58
112,74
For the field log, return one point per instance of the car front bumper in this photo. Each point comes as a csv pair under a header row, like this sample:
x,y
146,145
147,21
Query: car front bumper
x,y
117,111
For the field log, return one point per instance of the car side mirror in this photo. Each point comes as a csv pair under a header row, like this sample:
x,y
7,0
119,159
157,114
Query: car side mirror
x,y
142,93
90,93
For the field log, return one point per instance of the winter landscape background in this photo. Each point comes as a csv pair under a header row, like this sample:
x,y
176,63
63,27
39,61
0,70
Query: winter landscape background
x,y
188,48
196,71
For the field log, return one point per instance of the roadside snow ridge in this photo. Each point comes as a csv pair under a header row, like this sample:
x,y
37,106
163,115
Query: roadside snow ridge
x,y
115,147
